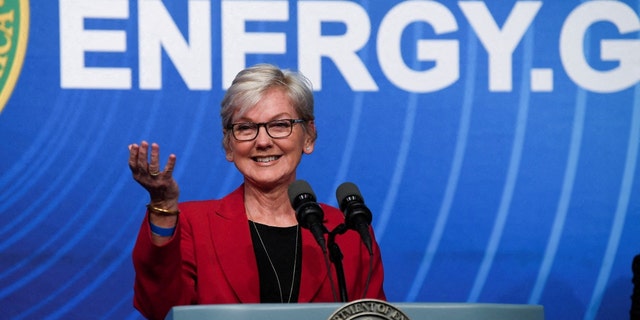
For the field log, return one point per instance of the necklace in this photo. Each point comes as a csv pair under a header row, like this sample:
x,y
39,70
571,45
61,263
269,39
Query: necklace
x,y
275,272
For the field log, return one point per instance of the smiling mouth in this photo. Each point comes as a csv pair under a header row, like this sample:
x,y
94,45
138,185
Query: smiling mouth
x,y
266,159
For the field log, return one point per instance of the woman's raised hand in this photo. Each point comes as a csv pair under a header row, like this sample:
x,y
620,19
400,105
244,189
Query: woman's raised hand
x,y
163,189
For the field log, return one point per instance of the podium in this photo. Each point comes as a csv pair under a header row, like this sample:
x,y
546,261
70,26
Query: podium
x,y
322,311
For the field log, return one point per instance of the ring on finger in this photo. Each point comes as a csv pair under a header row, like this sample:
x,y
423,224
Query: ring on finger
x,y
154,174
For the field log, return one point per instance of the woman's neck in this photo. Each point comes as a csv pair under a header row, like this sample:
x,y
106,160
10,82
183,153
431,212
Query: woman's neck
x,y
271,207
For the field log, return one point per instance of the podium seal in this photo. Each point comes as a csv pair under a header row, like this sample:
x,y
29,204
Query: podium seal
x,y
368,309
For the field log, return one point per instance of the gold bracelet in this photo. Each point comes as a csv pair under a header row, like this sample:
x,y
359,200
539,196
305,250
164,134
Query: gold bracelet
x,y
161,211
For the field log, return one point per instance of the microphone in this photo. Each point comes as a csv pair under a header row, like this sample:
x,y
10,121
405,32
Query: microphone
x,y
356,214
308,211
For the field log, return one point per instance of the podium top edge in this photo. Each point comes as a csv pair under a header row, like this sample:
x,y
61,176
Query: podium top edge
x,y
324,305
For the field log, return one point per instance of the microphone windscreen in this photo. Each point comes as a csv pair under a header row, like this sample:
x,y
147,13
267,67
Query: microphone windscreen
x,y
297,188
345,190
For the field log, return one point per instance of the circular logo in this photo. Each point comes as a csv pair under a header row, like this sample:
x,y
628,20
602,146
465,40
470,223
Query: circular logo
x,y
368,309
14,31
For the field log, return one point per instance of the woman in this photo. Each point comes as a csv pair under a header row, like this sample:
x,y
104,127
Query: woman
x,y
246,247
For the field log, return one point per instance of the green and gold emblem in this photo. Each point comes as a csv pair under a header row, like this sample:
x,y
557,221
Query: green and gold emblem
x,y
14,32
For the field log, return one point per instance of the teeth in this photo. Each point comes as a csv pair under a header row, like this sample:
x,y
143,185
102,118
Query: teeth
x,y
266,159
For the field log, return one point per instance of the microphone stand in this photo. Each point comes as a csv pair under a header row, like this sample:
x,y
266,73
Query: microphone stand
x,y
335,255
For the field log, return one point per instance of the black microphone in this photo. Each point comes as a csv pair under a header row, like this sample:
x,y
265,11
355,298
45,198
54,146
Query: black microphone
x,y
308,211
356,214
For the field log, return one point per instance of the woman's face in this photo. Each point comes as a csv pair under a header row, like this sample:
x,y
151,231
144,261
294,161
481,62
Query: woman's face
x,y
265,161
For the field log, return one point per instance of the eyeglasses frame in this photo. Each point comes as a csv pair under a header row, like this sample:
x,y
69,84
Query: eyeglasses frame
x,y
264,124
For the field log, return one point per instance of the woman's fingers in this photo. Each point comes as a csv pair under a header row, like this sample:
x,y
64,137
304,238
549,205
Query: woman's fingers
x,y
133,156
145,168
171,163
141,162
144,165
154,165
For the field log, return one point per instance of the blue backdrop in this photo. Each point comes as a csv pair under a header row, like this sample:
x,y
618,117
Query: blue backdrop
x,y
495,142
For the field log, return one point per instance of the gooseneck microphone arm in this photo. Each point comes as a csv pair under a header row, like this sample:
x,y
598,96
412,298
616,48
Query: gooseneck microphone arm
x,y
335,255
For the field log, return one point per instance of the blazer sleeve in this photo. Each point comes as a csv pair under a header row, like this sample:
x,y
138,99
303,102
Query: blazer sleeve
x,y
165,276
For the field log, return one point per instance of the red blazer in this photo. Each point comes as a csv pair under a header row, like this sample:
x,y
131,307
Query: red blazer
x,y
210,260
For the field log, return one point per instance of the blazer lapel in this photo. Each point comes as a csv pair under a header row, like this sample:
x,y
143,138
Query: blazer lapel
x,y
234,250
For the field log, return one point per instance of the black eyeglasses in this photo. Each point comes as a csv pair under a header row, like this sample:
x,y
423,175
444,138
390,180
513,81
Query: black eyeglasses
x,y
277,129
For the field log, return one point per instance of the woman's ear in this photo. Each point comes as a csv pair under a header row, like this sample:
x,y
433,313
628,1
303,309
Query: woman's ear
x,y
228,154
308,149
310,140
226,144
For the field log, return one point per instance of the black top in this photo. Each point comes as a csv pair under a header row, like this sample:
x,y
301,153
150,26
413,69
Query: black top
x,y
280,244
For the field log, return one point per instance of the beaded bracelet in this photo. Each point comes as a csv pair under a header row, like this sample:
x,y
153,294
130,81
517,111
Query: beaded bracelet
x,y
160,231
161,211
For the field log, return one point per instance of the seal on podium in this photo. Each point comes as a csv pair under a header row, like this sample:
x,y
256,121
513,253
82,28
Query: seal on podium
x,y
368,309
